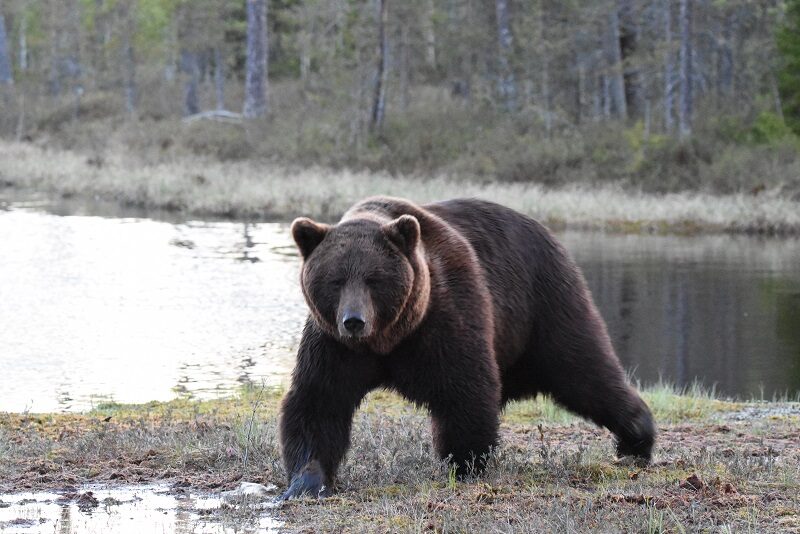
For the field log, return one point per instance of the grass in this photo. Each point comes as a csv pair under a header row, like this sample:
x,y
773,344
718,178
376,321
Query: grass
x,y
251,189
712,470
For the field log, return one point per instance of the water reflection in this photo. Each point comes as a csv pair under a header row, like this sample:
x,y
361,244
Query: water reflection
x,y
128,309
95,309
720,309
133,509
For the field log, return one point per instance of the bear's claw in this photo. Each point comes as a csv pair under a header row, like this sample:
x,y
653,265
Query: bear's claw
x,y
307,483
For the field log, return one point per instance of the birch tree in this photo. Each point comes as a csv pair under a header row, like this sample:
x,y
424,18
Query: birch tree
x,y
22,48
725,57
685,74
506,85
381,68
255,90
669,77
614,75
429,33
129,58
629,44
219,77
6,73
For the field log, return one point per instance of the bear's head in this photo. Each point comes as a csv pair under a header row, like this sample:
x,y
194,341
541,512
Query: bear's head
x,y
365,281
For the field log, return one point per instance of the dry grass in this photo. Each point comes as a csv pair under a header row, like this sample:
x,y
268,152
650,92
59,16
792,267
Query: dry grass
x,y
251,189
712,470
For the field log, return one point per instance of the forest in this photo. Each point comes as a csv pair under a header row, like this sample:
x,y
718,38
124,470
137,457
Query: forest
x,y
655,95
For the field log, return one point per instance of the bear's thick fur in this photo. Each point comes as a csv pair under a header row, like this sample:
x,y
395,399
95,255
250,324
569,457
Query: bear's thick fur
x,y
459,306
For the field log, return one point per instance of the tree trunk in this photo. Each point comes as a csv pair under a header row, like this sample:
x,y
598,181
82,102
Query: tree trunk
x,y
255,91
382,68
725,59
606,87
668,67
129,62
6,74
506,86
305,37
99,41
54,74
628,43
580,89
219,78
614,64
546,100
23,44
190,65
685,96
776,95
405,68
597,97
429,34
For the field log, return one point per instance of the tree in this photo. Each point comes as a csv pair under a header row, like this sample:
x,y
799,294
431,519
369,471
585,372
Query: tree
x,y
429,32
629,45
255,91
6,73
669,78
381,68
615,82
219,77
129,58
685,74
506,85
788,39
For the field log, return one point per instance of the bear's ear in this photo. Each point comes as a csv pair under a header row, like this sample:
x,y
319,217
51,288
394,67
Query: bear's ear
x,y
308,234
403,232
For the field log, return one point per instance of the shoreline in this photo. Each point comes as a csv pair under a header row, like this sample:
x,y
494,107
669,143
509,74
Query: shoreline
x,y
251,190
716,462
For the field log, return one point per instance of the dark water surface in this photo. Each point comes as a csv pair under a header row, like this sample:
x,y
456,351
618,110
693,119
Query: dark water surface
x,y
98,304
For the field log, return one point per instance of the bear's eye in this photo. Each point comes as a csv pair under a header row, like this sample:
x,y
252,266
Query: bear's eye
x,y
337,282
373,280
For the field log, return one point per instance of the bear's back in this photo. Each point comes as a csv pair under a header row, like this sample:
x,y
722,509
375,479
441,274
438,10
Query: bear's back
x,y
521,261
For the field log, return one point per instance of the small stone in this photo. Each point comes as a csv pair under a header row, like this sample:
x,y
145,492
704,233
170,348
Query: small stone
x,y
249,491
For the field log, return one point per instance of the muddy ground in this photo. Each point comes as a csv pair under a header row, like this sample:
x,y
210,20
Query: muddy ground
x,y
719,466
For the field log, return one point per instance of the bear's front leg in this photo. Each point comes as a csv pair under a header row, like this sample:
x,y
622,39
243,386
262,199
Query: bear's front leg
x,y
466,433
465,404
328,384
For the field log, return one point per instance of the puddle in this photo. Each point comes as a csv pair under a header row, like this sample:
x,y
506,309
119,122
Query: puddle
x,y
130,509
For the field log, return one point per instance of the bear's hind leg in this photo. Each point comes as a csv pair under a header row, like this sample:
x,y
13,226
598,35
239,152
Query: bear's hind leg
x,y
583,374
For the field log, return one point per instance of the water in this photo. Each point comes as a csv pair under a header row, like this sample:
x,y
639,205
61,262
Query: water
x,y
129,509
131,309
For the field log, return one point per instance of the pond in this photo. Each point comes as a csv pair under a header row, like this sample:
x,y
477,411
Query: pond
x,y
101,304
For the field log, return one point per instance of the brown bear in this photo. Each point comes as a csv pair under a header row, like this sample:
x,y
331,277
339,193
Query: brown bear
x,y
459,306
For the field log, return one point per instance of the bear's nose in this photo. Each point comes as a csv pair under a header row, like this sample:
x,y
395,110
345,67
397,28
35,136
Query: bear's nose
x,y
353,323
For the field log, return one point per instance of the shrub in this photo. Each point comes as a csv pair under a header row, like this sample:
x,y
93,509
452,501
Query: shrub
x,y
224,141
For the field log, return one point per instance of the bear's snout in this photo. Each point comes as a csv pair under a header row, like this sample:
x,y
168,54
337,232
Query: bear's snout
x,y
353,322
354,317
